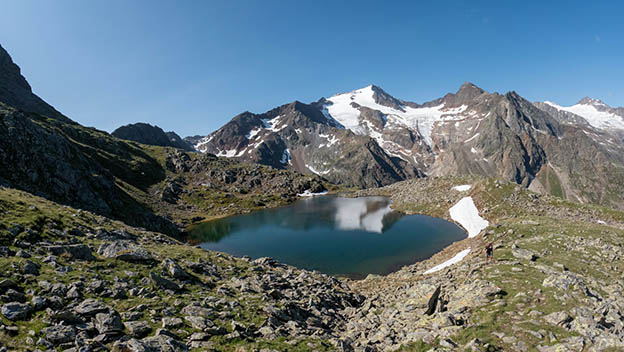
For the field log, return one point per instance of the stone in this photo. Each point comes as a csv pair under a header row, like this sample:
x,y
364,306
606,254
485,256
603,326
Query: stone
x,y
16,311
171,322
59,334
30,268
108,323
90,307
66,316
165,343
194,310
22,254
39,303
7,284
199,322
126,251
557,318
174,270
74,251
138,329
73,293
161,282
522,253
6,252
431,305
561,281
134,345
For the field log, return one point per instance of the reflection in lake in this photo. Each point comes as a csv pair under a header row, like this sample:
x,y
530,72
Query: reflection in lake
x,y
346,236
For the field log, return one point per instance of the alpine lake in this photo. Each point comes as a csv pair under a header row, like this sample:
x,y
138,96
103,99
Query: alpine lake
x,y
348,237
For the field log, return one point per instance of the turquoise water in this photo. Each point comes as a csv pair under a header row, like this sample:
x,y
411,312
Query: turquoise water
x,y
350,237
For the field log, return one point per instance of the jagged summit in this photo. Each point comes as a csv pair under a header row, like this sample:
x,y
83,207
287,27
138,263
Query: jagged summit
x,y
16,92
469,90
591,101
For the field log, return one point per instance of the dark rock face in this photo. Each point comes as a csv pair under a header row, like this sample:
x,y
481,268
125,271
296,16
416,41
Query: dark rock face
x,y
15,90
151,135
16,311
76,166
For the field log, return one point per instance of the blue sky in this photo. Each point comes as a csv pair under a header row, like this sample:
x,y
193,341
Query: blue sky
x,y
190,66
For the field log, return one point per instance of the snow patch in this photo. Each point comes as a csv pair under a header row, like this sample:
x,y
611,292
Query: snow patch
x,y
309,167
285,157
231,153
462,188
253,133
307,193
456,259
467,215
272,124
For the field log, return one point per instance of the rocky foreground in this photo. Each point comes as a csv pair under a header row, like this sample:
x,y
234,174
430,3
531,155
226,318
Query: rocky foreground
x,y
75,281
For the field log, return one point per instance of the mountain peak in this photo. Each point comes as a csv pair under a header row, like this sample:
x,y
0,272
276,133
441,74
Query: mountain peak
x,y
16,92
591,101
469,90
152,135
382,97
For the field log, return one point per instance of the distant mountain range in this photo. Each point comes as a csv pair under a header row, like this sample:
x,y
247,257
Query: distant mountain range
x,y
368,138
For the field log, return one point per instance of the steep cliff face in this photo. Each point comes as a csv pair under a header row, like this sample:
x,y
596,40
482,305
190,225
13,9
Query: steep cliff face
x,y
16,92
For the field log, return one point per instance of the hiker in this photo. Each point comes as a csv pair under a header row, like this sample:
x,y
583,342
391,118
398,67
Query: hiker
x,y
489,252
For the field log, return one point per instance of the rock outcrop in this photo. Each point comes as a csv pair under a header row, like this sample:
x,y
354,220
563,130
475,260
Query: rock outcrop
x,y
151,135
15,90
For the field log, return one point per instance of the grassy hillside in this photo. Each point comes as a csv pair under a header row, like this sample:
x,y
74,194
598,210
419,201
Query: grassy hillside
x,y
555,284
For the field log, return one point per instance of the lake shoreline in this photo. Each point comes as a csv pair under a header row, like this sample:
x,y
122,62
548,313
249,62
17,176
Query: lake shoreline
x,y
344,243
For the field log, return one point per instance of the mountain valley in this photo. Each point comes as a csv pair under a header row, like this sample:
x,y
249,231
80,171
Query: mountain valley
x,y
94,255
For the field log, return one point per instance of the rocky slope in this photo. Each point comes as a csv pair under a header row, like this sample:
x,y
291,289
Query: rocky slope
x,y
552,286
151,135
158,188
72,279
15,90
367,137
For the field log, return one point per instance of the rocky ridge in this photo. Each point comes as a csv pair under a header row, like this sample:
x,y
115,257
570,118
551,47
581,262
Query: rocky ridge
x,y
151,135
368,138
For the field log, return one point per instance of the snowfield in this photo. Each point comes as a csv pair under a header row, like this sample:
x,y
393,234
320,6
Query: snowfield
x,y
462,188
342,110
467,215
307,193
456,259
596,118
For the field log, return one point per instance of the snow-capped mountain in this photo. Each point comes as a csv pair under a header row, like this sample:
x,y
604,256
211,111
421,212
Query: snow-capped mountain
x,y
367,137
596,113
